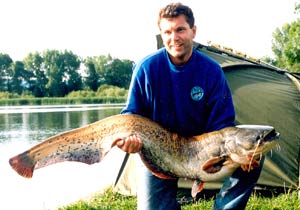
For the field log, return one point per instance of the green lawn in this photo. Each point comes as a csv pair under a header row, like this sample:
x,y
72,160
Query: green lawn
x,y
115,201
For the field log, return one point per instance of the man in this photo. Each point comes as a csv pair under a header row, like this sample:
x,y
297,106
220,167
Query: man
x,y
187,93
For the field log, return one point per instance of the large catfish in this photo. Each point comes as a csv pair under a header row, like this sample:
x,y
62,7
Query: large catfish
x,y
204,158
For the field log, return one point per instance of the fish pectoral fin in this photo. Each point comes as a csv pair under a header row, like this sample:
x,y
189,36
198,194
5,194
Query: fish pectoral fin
x,y
197,187
213,164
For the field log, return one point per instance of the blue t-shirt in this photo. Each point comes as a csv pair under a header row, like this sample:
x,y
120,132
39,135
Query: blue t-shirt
x,y
190,99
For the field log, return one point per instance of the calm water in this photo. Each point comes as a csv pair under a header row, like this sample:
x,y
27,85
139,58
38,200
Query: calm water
x,y
31,124
59,184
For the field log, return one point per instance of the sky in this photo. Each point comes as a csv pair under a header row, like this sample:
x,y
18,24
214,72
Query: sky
x,y
126,29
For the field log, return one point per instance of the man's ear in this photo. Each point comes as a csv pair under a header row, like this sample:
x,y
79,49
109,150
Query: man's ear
x,y
194,29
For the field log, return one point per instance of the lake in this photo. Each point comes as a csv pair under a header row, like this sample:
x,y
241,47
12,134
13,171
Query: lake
x,y
59,184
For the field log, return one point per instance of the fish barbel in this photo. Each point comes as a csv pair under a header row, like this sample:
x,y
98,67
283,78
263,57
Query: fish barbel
x,y
208,157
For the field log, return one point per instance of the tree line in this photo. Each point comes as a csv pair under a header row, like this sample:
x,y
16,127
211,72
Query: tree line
x,y
54,73
286,45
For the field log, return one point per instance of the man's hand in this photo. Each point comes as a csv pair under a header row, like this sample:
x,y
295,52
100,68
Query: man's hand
x,y
130,144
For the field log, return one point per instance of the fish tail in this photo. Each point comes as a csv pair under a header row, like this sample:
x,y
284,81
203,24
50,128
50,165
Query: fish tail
x,y
23,165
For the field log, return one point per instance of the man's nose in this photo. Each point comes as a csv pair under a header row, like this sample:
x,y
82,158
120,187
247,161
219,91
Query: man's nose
x,y
174,35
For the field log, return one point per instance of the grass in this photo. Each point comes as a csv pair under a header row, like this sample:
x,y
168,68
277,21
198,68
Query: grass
x,y
110,200
105,201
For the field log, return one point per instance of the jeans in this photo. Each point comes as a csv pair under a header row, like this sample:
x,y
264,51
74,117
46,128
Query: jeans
x,y
160,194
154,193
237,189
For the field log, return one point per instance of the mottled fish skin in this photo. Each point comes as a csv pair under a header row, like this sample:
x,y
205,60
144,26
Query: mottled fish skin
x,y
208,157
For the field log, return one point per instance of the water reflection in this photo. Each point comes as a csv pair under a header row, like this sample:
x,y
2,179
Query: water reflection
x,y
37,124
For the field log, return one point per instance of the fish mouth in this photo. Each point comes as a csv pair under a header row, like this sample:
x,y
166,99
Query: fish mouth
x,y
265,141
263,145
272,135
268,141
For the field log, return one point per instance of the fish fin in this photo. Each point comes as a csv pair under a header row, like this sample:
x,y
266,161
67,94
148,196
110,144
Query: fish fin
x,y
162,175
197,187
156,172
159,174
23,165
213,164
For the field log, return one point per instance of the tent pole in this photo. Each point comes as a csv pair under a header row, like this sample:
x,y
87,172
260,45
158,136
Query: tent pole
x,y
294,80
297,84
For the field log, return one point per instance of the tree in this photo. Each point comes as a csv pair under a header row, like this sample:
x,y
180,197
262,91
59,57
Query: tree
x,y
297,8
5,72
100,65
118,73
95,70
71,67
37,79
19,78
92,79
53,64
285,45
62,72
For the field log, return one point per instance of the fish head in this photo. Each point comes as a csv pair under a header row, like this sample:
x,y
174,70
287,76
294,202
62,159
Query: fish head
x,y
244,143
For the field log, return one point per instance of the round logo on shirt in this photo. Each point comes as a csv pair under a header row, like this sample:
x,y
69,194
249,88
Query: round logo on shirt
x,y
197,93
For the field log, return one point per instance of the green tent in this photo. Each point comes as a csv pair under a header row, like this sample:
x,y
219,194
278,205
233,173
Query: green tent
x,y
266,95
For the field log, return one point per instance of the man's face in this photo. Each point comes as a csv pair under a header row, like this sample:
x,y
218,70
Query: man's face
x,y
178,38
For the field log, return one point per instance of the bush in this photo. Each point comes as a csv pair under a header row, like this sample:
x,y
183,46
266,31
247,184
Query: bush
x,y
104,94
8,95
111,91
82,94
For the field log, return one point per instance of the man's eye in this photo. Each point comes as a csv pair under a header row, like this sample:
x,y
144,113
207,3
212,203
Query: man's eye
x,y
180,29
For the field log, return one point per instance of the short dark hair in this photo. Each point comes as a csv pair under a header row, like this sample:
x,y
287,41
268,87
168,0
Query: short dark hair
x,y
174,10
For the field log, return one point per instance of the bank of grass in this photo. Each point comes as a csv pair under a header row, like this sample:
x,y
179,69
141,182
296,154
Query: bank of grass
x,y
104,95
110,200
